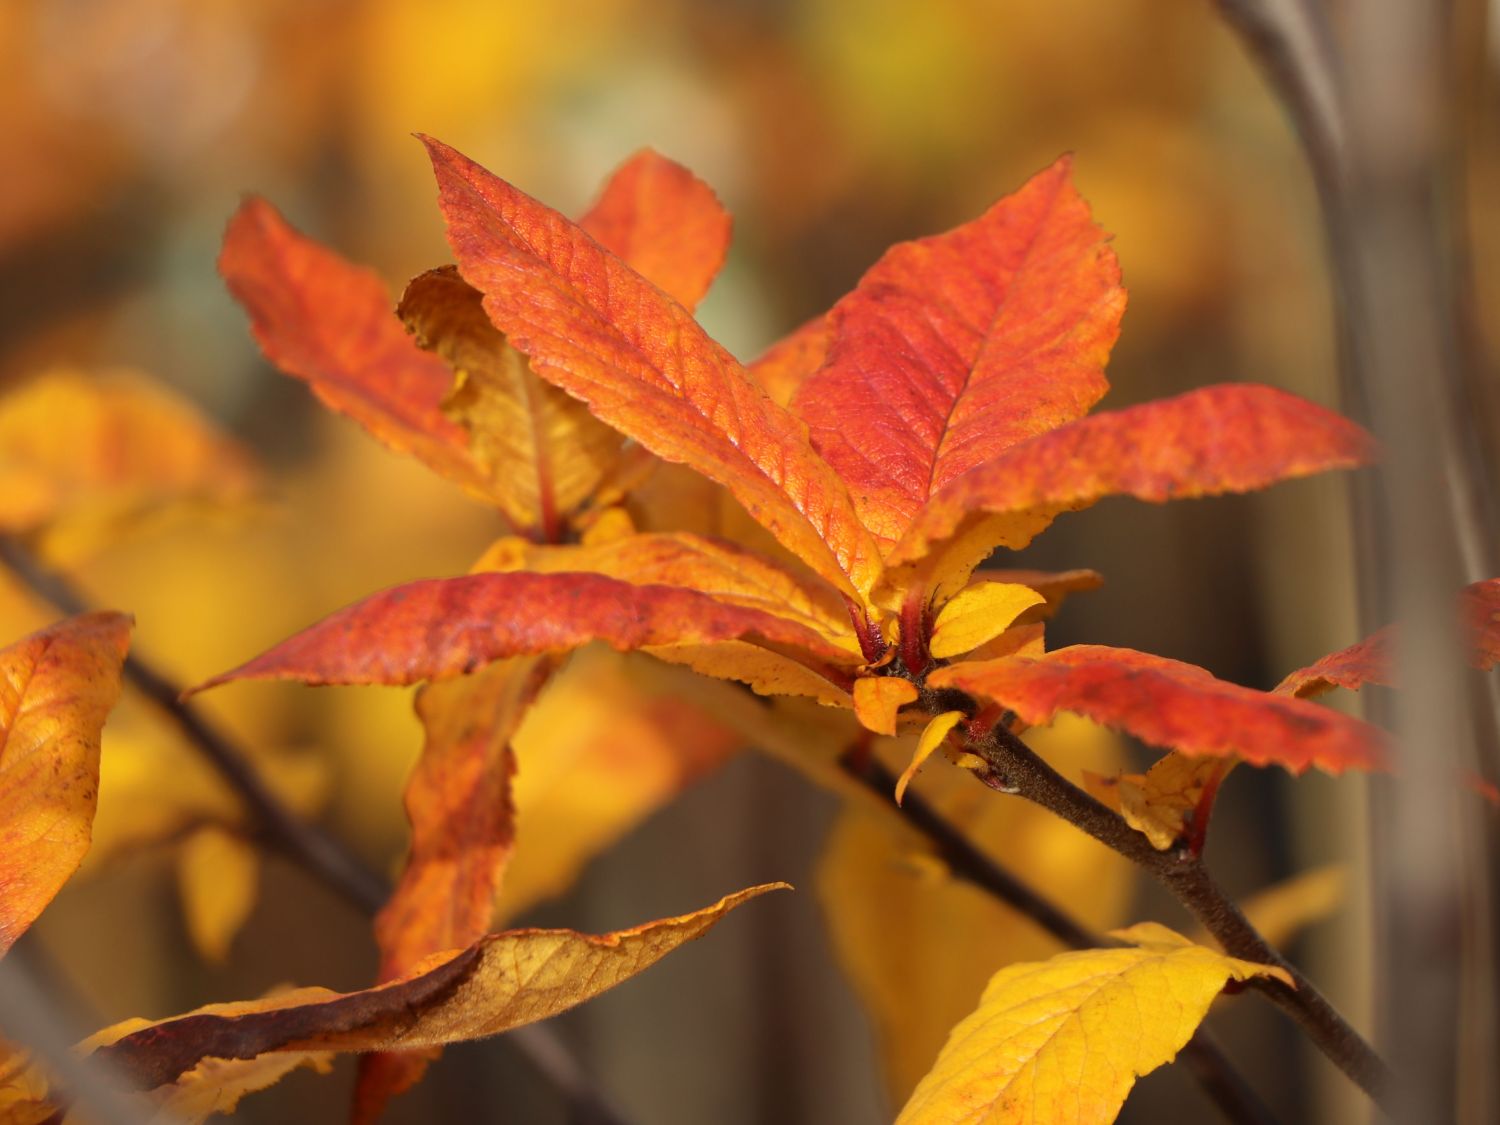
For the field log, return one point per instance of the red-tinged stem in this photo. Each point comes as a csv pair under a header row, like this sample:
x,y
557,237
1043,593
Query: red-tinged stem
x,y
1203,811
871,644
915,632
1224,1085
1019,770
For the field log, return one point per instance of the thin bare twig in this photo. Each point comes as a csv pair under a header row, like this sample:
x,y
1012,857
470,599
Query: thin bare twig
x,y
306,844
1019,770
1204,1058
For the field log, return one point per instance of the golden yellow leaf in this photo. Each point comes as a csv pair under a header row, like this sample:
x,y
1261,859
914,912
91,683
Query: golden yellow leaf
x,y
1061,1042
978,614
892,908
83,456
217,876
56,688
933,736
878,698
544,451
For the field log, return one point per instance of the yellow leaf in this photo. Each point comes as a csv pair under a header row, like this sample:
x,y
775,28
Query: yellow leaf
x,y
978,614
1160,802
56,688
932,737
1062,1041
217,875
878,698
893,909
83,456
542,448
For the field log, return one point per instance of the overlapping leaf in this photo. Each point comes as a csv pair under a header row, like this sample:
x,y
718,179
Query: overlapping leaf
x,y
56,688
458,801
1223,439
954,348
1063,1041
500,982
442,627
593,326
1171,704
329,323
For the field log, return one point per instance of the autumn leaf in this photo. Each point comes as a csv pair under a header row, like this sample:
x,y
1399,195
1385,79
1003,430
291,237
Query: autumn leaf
x,y
82,455
954,348
893,908
1370,661
458,801
1170,802
502,981
1215,440
56,688
328,322
596,328
783,367
1062,1041
436,628
1171,704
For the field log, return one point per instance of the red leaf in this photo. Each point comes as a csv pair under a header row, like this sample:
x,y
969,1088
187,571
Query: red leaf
x,y
665,222
329,323
1227,438
787,364
1171,704
954,348
1480,607
441,627
1366,662
593,326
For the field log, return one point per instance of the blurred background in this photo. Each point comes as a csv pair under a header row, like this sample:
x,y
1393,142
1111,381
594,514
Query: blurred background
x,y
830,130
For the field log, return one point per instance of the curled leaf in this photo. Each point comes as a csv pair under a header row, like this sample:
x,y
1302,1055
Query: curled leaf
x,y
502,981
56,689
595,327
933,736
878,698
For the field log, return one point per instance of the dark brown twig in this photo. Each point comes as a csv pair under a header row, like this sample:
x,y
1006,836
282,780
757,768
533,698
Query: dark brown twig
x,y
1221,1082
1027,775
304,843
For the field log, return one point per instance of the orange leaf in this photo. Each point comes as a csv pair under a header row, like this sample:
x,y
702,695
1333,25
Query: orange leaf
x,y
1228,438
665,222
1366,662
1171,704
458,801
502,981
1480,604
1370,661
329,323
56,688
593,326
441,627
957,347
878,698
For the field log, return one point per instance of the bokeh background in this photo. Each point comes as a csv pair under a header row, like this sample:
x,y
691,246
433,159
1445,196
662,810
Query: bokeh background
x,y
830,129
